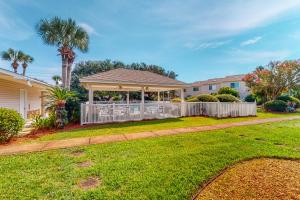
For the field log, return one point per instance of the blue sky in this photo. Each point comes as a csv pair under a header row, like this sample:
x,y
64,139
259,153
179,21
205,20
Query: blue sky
x,y
197,39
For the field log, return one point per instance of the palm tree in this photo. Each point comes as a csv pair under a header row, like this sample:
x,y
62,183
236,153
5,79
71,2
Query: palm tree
x,y
13,56
67,36
57,98
25,59
57,79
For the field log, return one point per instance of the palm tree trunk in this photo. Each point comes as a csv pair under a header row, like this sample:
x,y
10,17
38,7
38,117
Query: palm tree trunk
x,y
24,70
69,69
64,71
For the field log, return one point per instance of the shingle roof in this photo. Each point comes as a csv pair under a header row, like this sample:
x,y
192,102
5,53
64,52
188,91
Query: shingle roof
x,y
219,80
130,76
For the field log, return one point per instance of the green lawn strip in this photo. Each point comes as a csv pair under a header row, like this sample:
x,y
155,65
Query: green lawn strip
x,y
170,167
142,126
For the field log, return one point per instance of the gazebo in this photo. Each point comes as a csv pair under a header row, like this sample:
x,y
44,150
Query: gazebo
x,y
128,80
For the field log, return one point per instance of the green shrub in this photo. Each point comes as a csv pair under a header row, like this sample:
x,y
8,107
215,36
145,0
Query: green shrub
x,y
192,99
44,123
250,98
11,123
276,106
227,98
176,100
206,98
229,90
287,98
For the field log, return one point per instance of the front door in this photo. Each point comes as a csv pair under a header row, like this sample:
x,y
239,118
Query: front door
x,y
23,103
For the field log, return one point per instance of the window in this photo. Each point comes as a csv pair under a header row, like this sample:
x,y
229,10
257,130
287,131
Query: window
x,y
195,89
212,87
235,85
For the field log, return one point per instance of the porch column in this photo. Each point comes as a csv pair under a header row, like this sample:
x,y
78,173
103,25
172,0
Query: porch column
x,y
91,96
158,96
182,102
127,97
91,102
143,103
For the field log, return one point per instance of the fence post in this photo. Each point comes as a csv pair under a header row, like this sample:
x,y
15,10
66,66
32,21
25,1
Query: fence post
x,y
218,110
81,114
113,111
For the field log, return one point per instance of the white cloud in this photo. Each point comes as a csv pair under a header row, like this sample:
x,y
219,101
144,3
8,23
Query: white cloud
x,y
206,45
239,56
88,28
211,20
251,41
11,26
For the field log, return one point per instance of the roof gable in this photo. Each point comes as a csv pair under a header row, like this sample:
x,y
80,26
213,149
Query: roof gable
x,y
130,76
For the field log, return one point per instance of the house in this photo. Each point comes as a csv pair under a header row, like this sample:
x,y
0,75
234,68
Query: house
x,y
22,93
213,85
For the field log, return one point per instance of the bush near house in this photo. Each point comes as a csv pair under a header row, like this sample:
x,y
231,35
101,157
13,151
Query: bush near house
x,y
176,100
206,98
11,123
276,106
44,123
291,99
192,99
227,98
229,90
250,98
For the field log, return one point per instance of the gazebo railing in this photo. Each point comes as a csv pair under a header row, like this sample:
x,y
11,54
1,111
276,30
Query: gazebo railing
x,y
106,113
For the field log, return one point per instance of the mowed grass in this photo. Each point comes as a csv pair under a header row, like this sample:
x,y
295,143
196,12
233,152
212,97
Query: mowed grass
x,y
170,167
142,126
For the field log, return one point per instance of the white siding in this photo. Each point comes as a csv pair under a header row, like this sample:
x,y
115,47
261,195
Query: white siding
x,y
10,95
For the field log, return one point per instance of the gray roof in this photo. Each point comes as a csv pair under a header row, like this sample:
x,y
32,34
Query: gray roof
x,y
129,76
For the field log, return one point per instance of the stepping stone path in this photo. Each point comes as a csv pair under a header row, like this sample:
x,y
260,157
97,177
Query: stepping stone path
x,y
84,164
89,183
78,153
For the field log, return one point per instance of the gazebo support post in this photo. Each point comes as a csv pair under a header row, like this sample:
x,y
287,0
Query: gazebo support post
x,y
127,98
158,96
91,102
143,103
182,102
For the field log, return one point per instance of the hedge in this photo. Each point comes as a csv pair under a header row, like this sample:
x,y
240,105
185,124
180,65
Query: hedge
x,y
11,123
227,98
229,90
276,106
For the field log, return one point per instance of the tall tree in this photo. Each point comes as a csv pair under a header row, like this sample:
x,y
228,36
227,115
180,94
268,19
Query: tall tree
x,y
25,59
56,79
274,79
14,56
67,36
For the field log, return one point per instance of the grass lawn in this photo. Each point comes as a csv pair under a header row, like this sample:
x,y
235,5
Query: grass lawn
x,y
170,167
135,127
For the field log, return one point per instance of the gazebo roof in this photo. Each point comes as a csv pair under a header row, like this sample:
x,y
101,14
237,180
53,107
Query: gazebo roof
x,y
130,76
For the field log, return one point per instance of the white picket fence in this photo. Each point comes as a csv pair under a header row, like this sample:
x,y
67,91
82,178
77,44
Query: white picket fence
x,y
106,113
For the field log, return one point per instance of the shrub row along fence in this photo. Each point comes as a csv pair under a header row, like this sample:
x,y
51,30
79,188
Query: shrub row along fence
x,y
106,113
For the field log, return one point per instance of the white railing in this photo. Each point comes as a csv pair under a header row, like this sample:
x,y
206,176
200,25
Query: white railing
x,y
106,113
220,109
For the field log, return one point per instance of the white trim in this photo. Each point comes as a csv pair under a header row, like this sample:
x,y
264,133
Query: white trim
x,y
23,103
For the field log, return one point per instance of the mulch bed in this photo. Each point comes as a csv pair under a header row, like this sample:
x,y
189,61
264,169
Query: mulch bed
x,y
265,178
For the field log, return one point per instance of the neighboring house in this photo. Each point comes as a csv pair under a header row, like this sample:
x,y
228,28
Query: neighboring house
x,y
22,93
213,85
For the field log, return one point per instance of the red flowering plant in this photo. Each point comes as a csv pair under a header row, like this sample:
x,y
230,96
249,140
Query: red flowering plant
x,y
274,79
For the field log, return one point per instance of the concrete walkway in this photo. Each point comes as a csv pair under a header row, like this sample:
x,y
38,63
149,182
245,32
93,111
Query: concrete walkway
x,y
83,141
